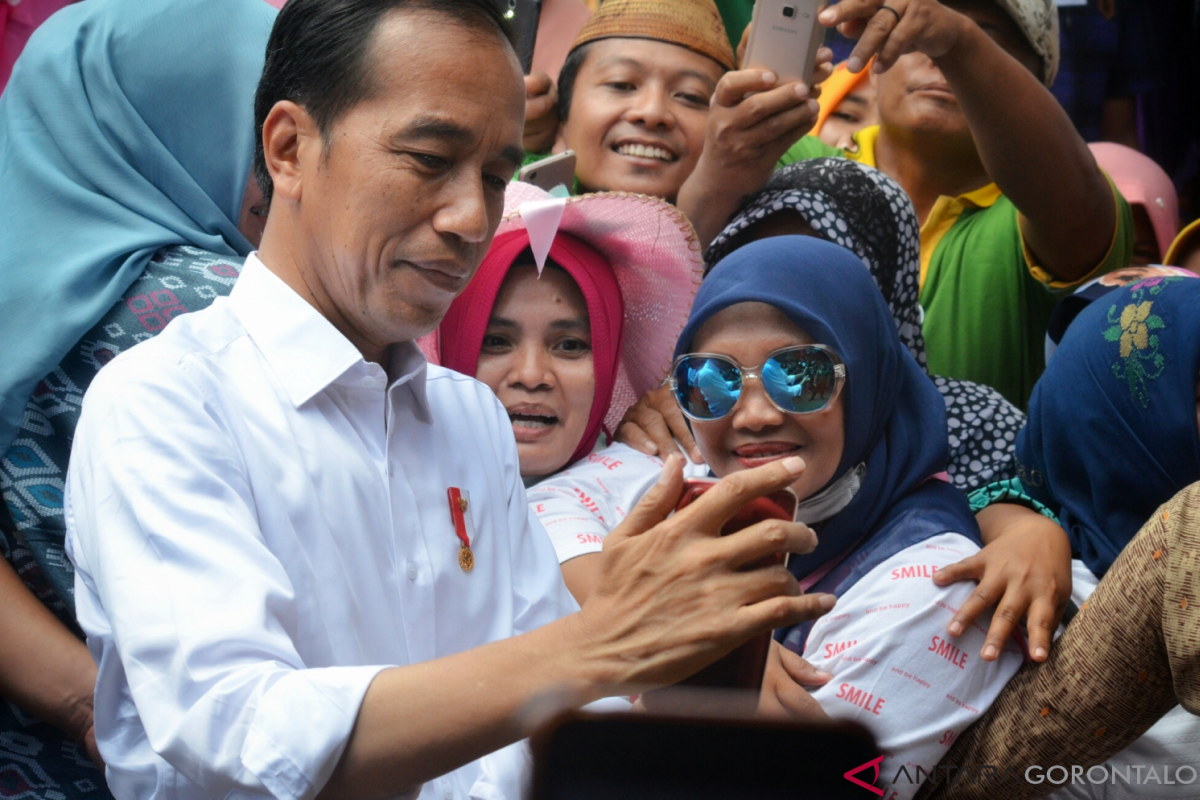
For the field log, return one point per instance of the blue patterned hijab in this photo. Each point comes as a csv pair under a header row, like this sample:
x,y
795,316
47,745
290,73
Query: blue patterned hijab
x,y
1112,429
128,125
895,419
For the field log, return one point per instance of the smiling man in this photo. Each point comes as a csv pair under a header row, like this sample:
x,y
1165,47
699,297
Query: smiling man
x,y
305,560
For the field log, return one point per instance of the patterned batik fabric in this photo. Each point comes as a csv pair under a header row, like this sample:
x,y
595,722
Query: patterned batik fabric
x,y
37,760
865,211
1127,658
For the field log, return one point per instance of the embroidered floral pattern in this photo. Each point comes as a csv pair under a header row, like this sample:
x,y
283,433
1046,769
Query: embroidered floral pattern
x,y
1133,329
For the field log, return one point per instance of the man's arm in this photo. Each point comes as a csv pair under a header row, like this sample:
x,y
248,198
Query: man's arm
x,y
1024,138
44,668
668,601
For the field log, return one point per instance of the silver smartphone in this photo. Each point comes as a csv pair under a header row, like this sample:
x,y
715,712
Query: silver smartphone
x,y
784,38
557,170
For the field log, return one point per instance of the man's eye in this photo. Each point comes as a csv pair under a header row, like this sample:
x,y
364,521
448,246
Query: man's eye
x,y
845,117
620,86
497,182
694,99
430,161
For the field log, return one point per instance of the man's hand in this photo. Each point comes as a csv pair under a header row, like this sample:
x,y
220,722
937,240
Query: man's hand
x,y
1024,570
752,122
654,423
902,27
673,595
783,692
541,113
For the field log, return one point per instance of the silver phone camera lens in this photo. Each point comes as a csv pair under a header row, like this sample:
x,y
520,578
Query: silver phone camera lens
x,y
789,11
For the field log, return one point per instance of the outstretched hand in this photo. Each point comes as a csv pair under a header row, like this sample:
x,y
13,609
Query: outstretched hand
x,y
654,423
888,30
783,691
1024,571
674,595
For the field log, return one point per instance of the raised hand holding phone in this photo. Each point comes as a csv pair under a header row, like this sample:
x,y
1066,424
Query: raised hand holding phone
x,y
693,600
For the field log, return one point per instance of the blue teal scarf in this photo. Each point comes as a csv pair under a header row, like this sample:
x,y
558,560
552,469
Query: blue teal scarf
x,y
1112,429
127,125
895,419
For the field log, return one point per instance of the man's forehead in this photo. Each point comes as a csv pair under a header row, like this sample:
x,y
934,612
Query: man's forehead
x,y
650,54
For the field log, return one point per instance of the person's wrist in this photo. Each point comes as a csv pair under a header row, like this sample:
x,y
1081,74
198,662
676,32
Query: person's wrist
x,y
586,666
962,31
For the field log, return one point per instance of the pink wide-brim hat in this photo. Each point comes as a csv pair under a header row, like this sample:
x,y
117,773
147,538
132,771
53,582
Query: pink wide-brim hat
x,y
1142,182
654,253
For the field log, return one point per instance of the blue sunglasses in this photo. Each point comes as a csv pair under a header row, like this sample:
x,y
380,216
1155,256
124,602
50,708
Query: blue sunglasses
x,y
803,379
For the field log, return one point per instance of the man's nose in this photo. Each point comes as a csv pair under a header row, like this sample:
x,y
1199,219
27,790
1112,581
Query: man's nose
x,y
652,108
464,211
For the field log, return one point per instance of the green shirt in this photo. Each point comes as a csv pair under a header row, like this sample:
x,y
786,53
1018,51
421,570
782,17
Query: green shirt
x,y
987,302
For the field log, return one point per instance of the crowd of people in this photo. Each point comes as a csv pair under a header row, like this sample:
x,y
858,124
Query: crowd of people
x,y
329,445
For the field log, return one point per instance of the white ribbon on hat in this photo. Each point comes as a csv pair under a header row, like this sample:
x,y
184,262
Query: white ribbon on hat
x,y
542,218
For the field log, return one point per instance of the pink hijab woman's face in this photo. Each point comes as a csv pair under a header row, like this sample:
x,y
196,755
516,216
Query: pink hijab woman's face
x,y
537,358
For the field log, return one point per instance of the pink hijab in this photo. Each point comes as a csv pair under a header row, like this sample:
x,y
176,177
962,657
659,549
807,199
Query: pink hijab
x,y
460,336
1142,182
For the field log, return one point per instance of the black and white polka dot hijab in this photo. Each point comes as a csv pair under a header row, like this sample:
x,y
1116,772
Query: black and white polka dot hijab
x,y
865,211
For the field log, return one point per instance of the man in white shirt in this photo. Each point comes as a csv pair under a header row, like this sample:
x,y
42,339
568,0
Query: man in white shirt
x,y
305,560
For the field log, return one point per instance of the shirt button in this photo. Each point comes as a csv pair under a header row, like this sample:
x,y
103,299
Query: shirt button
x,y
368,382
448,792
412,571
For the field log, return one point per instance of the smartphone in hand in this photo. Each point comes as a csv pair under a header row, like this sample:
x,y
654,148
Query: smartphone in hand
x,y
556,170
784,38
523,16
744,667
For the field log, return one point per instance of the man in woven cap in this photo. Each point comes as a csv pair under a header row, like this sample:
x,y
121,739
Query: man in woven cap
x,y
1013,209
650,102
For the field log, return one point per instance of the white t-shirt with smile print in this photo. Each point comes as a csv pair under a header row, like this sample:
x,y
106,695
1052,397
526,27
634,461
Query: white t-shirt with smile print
x,y
895,669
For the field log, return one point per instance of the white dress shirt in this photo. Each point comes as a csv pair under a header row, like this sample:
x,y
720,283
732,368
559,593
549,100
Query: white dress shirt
x,y
259,522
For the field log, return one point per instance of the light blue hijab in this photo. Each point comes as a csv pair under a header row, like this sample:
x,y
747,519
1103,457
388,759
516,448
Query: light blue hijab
x,y
128,125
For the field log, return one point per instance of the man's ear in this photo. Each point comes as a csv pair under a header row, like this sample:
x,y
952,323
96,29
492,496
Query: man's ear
x,y
291,141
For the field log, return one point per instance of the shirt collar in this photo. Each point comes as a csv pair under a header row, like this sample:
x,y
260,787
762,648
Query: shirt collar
x,y
865,139
304,350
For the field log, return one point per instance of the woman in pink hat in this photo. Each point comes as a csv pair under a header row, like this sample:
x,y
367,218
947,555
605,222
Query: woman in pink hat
x,y
573,315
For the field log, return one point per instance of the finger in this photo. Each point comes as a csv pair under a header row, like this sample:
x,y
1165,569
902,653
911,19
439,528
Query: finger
x,y
655,505
786,126
537,83
875,33
734,86
762,539
757,585
782,612
1004,620
716,506
899,42
764,105
847,10
801,671
980,600
1042,621
681,432
537,107
657,429
629,433
969,569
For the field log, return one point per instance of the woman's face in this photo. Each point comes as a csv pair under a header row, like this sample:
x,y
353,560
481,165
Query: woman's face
x,y
756,432
537,358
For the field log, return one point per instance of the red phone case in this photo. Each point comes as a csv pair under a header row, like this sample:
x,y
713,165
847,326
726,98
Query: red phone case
x,y
744,667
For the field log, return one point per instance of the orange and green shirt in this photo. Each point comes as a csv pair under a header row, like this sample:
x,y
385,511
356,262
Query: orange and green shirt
x,y
986,300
